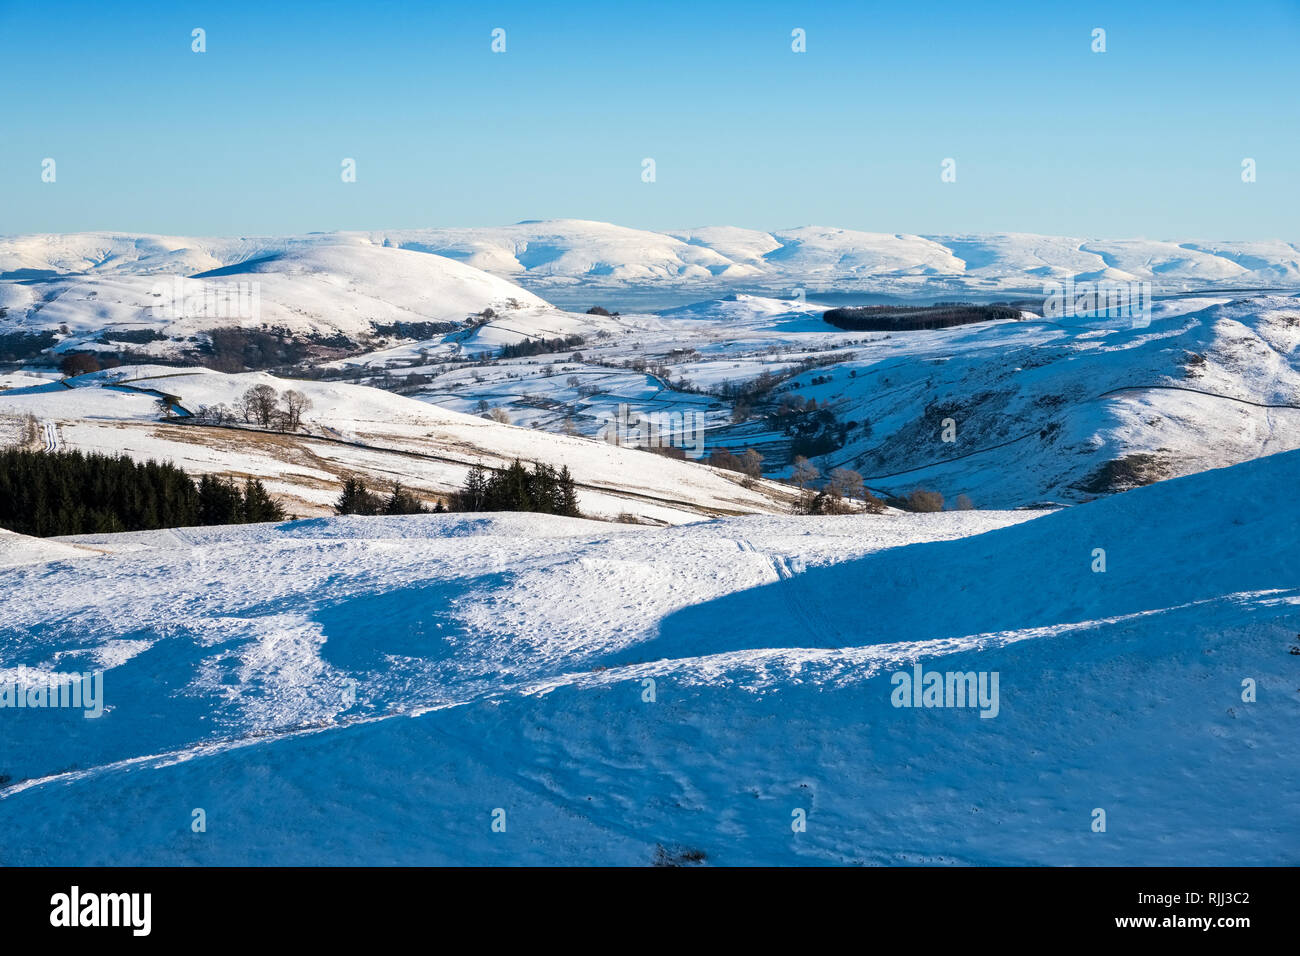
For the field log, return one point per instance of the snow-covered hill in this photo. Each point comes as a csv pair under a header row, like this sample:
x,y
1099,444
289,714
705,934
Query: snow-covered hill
x,y
314,288
547,255
1019,412
572,249
383,690
1010,413
390,284
352,429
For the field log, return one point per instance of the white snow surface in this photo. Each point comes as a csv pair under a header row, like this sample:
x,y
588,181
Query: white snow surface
x,y
21,549
310,286
445,273
372,690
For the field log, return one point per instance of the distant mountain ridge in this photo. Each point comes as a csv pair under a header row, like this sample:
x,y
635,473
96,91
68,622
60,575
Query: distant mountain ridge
x,y
564,250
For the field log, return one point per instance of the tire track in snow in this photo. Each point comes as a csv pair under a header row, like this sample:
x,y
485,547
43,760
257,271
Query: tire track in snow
x,y
50,434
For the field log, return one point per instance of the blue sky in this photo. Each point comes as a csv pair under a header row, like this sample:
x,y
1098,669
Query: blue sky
x,y
1146,139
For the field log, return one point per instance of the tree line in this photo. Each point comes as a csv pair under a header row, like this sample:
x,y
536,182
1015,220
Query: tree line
x,y
358,499
47,494
513,488
516,488
260,405
539,346
897,318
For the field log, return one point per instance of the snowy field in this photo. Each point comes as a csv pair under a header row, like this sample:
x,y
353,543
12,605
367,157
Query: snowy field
x,y
381,690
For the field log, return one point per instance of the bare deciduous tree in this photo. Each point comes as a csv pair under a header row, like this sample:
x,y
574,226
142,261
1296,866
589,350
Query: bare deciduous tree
x,y
805,472
258,405
925,500
845,483
213,415
295,405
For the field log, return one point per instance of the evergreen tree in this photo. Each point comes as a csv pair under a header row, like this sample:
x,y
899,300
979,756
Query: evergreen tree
x,y
402,502
219,501
257,504
69,492
508,489
356,499
515,488
568,495
473,496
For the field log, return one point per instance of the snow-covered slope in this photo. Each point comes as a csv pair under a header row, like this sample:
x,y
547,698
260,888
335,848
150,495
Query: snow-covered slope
x,y
1011,413
556,254
571,248
382,690
315,287
548,253
19,549
1038,417
353,429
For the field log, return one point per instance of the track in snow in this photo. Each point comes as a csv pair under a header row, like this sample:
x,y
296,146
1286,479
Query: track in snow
x,y
50,433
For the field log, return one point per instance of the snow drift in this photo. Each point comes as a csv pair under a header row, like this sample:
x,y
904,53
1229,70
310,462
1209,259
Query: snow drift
x,y
379,690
